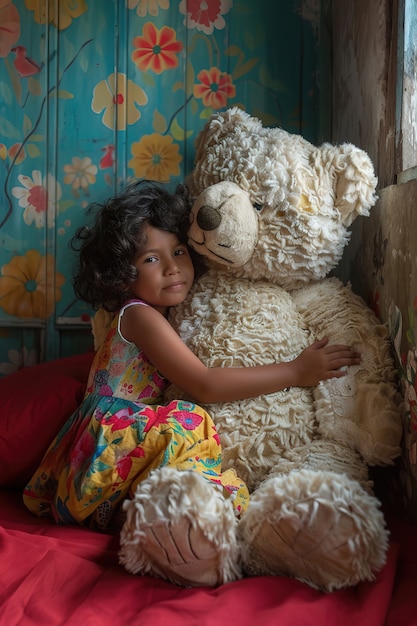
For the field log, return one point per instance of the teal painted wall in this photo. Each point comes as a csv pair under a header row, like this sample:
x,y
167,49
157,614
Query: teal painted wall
x,y
94,93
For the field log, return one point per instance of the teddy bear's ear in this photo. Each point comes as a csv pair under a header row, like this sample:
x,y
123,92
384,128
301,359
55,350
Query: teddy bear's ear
x,y
356,183
222,125
223,129
210,135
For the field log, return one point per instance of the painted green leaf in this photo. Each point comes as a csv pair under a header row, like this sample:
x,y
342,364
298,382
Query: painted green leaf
x,y
64,205
245,68
206,113
65,95
159,123
5,93
233,51
14,79
190,78
177,86
8,130
32,150
69,50
267,80
83,59
194,106
34,86
179,133
27,125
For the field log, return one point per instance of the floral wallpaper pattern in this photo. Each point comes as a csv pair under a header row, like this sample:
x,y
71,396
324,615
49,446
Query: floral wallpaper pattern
x,y
93,94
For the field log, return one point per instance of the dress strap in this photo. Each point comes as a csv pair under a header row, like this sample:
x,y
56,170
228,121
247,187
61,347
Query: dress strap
x,y
123,309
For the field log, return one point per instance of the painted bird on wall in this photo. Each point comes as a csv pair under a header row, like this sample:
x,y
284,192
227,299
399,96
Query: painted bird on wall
x,y
107,160
24,65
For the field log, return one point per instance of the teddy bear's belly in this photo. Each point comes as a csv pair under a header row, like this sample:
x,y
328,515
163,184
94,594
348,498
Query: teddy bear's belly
x,y
243,325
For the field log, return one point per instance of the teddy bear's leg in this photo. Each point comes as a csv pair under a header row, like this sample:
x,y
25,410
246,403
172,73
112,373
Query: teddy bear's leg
x,y
319,527
180,527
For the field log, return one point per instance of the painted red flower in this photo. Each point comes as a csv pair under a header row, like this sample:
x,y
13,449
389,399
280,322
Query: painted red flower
x,y
203,15
155,49
9,26
215,89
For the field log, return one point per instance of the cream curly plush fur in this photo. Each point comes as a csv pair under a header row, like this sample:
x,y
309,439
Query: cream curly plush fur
x,y
271,216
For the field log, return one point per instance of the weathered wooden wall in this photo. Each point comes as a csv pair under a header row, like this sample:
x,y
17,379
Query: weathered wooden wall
x,y
369,76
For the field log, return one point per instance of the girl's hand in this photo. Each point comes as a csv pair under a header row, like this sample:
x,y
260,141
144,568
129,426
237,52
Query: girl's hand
x,y
321,361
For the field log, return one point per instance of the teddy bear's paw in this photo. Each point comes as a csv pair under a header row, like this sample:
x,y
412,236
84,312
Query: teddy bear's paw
x,y
319,527
180,527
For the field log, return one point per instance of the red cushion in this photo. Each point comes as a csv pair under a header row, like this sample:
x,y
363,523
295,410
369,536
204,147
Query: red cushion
x,y
34,403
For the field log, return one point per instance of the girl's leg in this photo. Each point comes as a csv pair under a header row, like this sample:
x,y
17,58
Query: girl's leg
x,y
194,445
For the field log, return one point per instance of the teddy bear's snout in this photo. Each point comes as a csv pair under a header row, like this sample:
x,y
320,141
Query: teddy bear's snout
x,y
208,218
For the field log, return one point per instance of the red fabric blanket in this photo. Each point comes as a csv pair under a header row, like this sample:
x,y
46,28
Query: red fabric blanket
x,y
53,575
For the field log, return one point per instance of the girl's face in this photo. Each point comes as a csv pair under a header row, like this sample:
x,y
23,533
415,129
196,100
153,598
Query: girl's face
x,y
165,270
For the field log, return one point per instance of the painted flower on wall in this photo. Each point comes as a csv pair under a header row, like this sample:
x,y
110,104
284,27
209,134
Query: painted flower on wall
x,y
39,198
145,7
81,173
118,97
9,26
18,360
205,15
25,283
215,88
155,157
155,49
60,14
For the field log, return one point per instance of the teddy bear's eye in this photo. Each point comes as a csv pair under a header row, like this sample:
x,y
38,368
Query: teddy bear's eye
x,y
257,206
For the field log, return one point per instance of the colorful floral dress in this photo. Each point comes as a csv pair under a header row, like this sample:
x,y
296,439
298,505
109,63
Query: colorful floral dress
x,y
118,435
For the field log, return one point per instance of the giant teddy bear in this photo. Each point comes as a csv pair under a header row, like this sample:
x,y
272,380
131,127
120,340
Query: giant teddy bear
x,y
271,215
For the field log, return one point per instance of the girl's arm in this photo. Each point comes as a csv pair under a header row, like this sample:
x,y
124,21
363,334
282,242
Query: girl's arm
x,y
153,334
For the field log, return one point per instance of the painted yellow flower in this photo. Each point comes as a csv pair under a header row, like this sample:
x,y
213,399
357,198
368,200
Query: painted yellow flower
x,y
156,50
60,14
118,97
80,173
145,7
215,89
29,287
155,157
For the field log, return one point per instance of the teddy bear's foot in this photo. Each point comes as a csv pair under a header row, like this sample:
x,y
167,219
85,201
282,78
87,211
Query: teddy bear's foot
x,y
180,527
319,527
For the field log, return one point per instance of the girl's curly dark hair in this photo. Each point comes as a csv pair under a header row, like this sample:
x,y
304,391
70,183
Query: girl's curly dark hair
x,y
108,249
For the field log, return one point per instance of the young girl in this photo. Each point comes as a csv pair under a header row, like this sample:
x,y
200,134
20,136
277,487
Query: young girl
x,y
134,262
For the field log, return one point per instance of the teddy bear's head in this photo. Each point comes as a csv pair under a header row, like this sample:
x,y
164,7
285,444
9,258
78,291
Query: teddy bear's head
x,y
269,204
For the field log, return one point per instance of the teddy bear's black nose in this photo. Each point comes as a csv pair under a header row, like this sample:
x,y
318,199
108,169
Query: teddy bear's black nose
x,y
208,218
